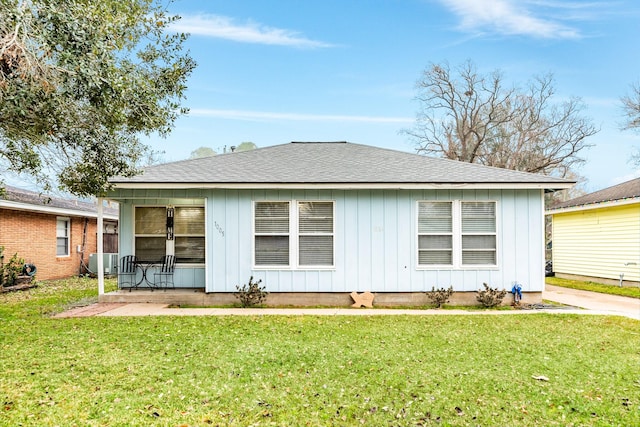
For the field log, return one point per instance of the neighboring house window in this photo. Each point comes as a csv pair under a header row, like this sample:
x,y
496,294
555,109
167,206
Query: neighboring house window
x,y
62,237
457,233
299,234
154,236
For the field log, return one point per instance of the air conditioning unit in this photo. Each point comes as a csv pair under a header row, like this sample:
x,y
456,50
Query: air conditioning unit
x,y
110,262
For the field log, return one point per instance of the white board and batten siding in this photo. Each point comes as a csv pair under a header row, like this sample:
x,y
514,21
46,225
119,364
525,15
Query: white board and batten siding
x,y
375,242
598,242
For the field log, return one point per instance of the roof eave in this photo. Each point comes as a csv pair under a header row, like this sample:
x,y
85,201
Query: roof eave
x,y
7,204
595,205
553,186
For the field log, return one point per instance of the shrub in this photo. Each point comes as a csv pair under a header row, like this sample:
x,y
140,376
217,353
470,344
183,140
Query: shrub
x,y
490,297
10,271
251,294
439,296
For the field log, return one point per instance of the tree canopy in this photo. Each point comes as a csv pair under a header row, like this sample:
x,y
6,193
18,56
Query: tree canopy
x,y
246,146
208,151
80,81
202,152
476,118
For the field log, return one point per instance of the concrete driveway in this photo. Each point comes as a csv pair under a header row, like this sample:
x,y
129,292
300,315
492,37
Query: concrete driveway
x,y
593,301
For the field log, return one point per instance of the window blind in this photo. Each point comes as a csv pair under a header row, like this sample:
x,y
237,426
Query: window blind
x,y
271,233
435,237
315,229
478,228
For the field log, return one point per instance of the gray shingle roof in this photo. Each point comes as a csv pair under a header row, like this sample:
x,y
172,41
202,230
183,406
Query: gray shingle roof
x,y
626,190
26,197
329,163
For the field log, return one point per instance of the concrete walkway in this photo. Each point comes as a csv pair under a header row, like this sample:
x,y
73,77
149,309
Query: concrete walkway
x,y
594,301
575,301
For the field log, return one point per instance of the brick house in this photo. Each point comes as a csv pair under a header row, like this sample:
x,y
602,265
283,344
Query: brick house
x,y
56,235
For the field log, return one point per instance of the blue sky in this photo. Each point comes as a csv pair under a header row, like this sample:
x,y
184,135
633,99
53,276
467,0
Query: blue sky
x,y
271,72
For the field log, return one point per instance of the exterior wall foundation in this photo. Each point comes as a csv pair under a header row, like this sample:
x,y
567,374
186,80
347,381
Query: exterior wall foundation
x,y
198,298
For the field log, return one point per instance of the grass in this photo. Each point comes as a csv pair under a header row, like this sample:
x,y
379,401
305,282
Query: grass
x,y
516,370
626,291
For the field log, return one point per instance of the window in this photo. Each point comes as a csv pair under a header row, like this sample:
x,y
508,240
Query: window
x,y
478,233
457,233
150,233
315,233
178,231
272,233
298,234
435,233
62,237
189,234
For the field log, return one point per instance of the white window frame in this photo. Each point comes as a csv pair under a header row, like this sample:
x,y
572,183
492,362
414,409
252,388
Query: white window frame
x,y
288,234
176,234
452,233
482,233
294,236
67,222
170,243
456,213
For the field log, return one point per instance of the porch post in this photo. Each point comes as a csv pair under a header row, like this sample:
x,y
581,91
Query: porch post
x,y
100,249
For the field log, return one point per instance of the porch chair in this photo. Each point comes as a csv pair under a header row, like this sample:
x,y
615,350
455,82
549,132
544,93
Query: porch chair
x,y
164,276
127,271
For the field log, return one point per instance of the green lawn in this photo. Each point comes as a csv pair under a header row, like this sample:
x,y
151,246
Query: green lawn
x,y
626,291
515,370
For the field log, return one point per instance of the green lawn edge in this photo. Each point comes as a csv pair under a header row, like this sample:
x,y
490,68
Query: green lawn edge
x,y
459,370
625,291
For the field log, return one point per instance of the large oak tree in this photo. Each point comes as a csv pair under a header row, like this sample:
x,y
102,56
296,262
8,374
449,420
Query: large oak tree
x,y
477,118
81,81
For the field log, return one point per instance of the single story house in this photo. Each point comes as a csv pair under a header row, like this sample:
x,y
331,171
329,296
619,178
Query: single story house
x,y
55,234
317,220
597,236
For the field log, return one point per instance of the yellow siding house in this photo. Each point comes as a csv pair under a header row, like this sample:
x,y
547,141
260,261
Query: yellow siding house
x,y
597,236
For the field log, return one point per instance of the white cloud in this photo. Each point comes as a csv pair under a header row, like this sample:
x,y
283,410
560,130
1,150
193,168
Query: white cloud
x,y
270,116
223,27
510,17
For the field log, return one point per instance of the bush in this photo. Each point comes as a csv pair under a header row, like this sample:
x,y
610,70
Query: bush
x,y
439,296
490,297
10,271
251,294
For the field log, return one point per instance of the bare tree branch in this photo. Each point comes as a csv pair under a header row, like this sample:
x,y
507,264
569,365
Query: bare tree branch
x,y
475,118
631,106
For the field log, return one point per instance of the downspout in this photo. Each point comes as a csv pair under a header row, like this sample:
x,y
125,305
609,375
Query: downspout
x,y
100,249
